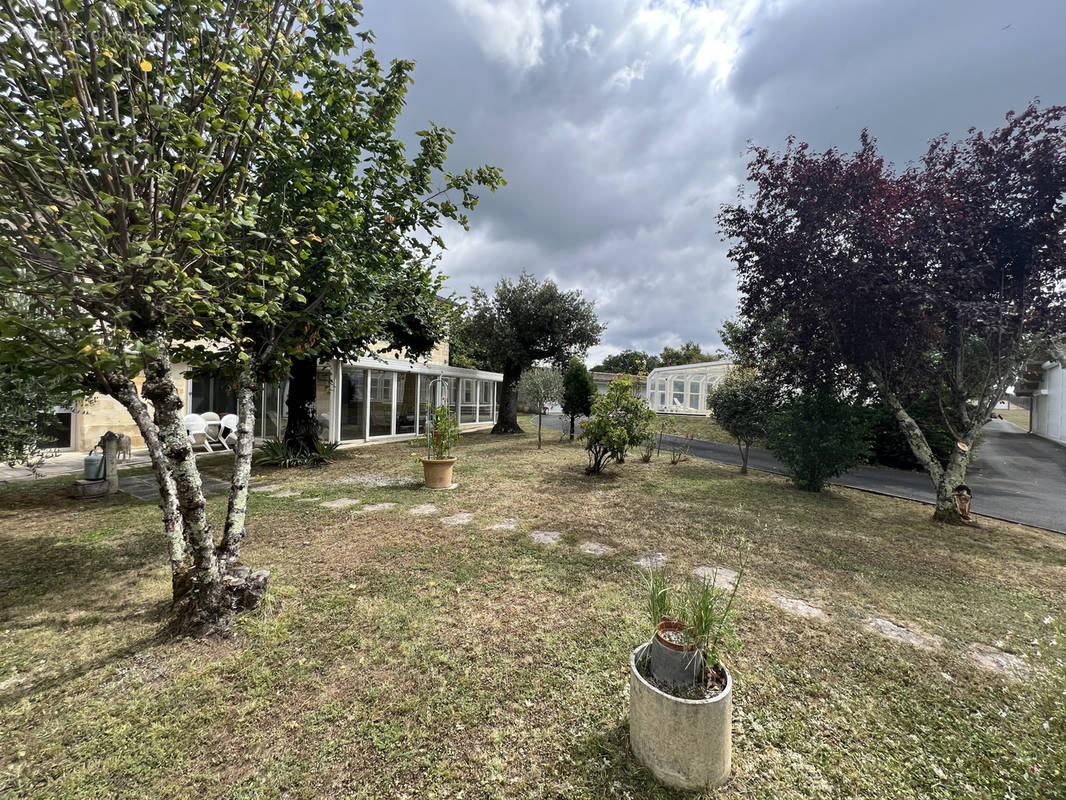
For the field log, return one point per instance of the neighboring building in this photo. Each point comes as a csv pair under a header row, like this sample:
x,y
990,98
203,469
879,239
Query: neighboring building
x,y
603,378
1044,382
683,389
377,397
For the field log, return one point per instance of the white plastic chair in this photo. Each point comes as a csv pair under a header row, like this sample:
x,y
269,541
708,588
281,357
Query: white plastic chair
x,y
211,419
227,430
196,428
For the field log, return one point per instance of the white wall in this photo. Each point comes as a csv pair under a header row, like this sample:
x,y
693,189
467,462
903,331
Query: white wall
x,y
1049,410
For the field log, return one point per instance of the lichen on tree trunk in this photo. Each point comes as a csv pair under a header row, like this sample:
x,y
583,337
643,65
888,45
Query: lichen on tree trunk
x,y
229,550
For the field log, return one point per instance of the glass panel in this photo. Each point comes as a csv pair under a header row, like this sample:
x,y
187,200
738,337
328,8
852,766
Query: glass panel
x,y
694,394
484,409
453,395
55,429
678,398
406,410
380,402
427,399
353,403
468,408
324,399
283,408
268,415
223,398
200,396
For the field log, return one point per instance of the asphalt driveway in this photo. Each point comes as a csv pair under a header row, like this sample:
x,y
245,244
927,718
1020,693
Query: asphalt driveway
x,y
1016,477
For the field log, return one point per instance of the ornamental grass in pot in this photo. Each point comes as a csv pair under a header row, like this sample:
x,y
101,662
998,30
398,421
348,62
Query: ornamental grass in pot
x,y
680,716
442,431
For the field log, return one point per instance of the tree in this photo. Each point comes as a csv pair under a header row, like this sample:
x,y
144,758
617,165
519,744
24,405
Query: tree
x,y
522,323
938,281
579,389
25,400
628,362
540,387
619,421
743,403
136,140
819,436
689,353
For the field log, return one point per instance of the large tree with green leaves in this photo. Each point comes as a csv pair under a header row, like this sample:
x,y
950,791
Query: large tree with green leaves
x,y
938,281
523,322
628,362
689,353
136,141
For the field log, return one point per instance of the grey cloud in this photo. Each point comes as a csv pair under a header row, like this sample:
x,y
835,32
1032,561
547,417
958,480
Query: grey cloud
x,y
613,189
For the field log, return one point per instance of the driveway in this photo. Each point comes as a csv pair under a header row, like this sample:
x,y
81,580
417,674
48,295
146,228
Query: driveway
x,y
1017,477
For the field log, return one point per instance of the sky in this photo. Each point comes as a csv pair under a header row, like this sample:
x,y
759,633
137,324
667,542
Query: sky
x,y
621,125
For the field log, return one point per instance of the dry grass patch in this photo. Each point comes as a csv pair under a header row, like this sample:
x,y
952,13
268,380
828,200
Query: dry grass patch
x,y
401,656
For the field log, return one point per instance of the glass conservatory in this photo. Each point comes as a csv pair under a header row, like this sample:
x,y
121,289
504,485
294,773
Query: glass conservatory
x,y
370,398
682,389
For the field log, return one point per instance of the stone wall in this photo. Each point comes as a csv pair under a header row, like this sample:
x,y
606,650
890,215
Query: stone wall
x,y
100,414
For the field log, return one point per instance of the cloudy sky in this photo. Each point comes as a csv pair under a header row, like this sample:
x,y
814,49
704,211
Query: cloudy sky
x,y
621,125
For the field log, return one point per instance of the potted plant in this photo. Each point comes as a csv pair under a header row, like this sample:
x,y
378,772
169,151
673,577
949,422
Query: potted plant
x,y
680,698
441,433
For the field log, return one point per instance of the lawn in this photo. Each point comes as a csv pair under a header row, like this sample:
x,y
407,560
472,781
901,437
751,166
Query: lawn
x,y
401,656
697,427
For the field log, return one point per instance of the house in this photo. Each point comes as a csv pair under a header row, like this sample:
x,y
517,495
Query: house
x,y
376,397
602,379
1043,380
683,389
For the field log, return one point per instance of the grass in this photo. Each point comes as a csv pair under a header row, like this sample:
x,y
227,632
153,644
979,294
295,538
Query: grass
x,y
1016,414
402,657
698,427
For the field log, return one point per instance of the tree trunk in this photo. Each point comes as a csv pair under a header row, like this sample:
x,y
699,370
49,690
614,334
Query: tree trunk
x,y
301,430
125,392
572,417
507,417
743,456
945,479
229,550
540,424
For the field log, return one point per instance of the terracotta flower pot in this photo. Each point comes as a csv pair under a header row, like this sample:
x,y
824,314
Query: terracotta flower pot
x,y
438,472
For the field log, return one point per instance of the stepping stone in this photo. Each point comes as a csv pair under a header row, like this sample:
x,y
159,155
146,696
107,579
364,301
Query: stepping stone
x,y
508,524
462,518
891,630
286,493
799,607
376,507
423,510
998,660
270,487
723,577
595,548
651,561
308,500
546,537
343,502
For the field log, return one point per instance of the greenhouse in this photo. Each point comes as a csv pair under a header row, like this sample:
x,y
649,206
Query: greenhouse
x,y
683,389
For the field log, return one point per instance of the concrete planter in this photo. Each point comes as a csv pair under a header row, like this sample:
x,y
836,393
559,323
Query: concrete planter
x,y
438,472
686,744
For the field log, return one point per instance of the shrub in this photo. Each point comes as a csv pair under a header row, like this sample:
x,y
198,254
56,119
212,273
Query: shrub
x,y
276,453
619,421
889,447
579,390
742,403
442,434
819,436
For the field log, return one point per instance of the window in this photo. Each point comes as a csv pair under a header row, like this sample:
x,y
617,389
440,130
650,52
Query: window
x,y
468,408
484,407
353,403
210,393
380,406
694,394
678,398
406,403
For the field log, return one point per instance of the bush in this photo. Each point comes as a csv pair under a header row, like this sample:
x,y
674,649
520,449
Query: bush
x,y
819,436
442,434
742,403
276,453
619,421
889,448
